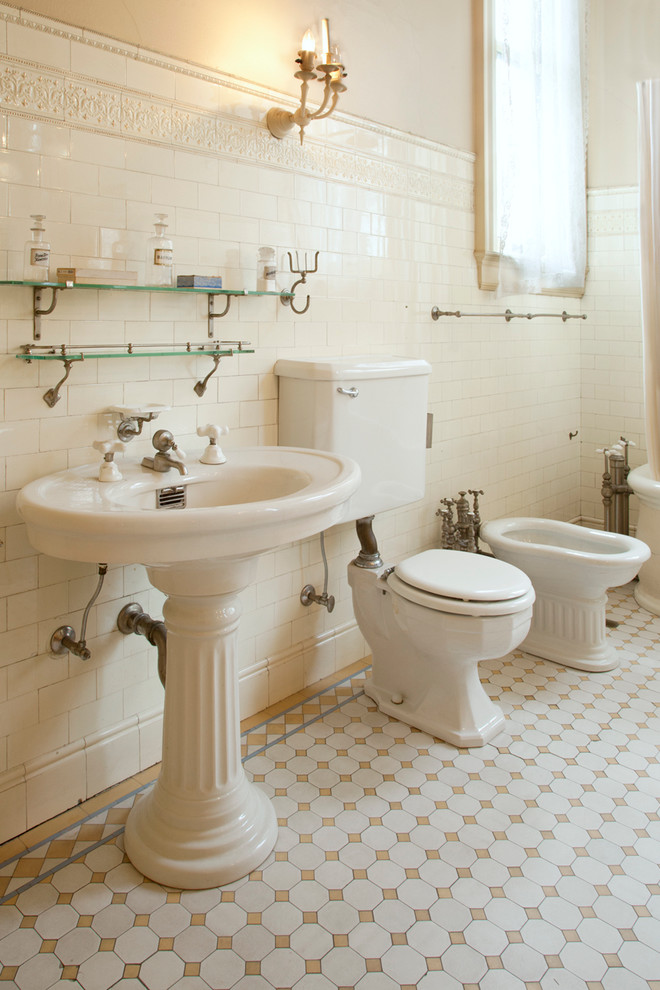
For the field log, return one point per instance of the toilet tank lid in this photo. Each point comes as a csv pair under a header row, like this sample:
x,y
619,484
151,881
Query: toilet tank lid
x,y
354,367
468,576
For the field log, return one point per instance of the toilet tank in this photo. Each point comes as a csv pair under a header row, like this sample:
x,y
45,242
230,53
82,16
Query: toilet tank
x,y
369,407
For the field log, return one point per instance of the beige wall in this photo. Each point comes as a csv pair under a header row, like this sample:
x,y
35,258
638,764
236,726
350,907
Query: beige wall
x,y
624,46
409,64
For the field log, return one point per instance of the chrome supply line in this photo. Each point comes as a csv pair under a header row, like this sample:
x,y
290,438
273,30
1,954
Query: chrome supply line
x,y
64,640
308,594
508,315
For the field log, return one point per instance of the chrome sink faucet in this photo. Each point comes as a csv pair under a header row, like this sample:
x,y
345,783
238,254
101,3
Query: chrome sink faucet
x,y
162,460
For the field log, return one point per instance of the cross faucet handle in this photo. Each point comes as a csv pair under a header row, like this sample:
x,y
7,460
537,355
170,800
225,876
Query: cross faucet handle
x,y
108,471
212,454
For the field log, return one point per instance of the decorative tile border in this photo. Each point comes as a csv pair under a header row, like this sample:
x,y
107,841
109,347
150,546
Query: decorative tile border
x,y
624,219
613,222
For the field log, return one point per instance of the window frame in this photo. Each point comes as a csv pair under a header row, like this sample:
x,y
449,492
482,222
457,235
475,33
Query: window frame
x,y
485,248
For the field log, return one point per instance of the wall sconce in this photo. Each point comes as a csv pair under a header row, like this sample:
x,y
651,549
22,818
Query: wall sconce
x,y
329,71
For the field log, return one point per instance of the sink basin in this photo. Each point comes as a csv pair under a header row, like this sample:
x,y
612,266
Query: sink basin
x,y
204,823
260,498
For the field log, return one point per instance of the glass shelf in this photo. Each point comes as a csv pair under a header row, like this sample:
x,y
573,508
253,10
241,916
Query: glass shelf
x,y
207,291
70,354
38,289
85,353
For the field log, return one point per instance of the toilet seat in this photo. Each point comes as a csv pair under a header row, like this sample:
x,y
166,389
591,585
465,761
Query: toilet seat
x,y
462,583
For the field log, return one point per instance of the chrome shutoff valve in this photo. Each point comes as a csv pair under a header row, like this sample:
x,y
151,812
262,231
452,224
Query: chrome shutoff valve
x,y
212,454
108,470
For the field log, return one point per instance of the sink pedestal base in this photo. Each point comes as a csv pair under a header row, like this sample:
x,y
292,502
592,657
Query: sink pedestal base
x,y
203,824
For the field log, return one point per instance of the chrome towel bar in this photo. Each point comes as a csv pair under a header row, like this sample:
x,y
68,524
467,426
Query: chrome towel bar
x,y
436,313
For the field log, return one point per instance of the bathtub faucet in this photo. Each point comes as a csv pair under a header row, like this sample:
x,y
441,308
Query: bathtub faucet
x,y
615,490
461,531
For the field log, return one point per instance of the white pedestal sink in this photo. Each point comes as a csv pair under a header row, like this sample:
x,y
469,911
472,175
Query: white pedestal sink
x,y
203,824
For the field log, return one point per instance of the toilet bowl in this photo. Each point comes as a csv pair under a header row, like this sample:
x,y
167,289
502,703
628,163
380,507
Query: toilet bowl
x,y
429,621
571,568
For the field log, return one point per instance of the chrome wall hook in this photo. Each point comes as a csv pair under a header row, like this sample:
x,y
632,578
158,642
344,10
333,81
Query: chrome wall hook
x,y
303,272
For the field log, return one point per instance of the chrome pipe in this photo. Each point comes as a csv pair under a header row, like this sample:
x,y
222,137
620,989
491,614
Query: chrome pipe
x,y
132,619
369,555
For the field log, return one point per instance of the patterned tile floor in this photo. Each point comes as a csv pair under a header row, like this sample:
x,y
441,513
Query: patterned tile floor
x,y
401,861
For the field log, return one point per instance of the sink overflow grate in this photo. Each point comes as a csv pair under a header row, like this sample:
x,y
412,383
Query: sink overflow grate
x,y
171,498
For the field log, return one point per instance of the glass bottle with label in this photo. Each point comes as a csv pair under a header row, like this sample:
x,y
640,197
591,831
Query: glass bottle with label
x,y
37,252
160,255
267,270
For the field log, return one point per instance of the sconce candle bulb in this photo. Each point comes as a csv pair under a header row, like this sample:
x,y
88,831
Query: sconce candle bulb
x,y
325,38
329,71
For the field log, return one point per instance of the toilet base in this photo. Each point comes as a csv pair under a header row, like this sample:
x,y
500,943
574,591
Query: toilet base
x,y
474,722
571,632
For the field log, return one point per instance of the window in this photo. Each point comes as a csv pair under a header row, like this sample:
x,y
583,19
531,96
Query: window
x,y
531,183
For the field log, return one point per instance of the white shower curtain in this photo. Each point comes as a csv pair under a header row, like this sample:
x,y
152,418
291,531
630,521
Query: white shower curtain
x,y
648,100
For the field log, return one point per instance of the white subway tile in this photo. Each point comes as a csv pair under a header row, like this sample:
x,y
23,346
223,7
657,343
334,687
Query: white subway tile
x,y
150,78
97,63
38,46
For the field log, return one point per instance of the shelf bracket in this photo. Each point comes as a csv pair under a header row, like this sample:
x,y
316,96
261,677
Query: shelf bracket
x,y
38,312
52,396
218,316
200,387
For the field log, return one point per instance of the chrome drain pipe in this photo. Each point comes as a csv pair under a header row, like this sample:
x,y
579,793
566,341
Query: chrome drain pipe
x,y
132,619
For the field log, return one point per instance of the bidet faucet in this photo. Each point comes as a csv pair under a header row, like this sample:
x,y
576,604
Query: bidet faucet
x,y
162,460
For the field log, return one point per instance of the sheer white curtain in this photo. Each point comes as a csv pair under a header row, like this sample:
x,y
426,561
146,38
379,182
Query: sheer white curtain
x,y
648,101
540,144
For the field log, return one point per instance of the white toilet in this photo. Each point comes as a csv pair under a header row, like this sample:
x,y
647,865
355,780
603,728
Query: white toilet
x,y
431,618
571,568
